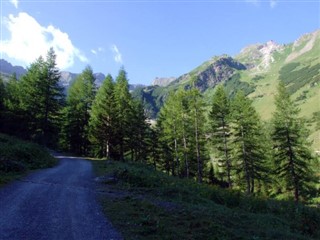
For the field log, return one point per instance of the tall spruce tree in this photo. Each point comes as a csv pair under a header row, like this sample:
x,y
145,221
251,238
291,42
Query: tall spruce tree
x,y
220,129
42,98
138,132
249,154
77,112
102,119
292,155
170,135
123,112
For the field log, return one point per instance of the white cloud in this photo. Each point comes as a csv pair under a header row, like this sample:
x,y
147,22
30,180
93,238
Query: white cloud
x,y
96,51
15,3
29,40
273,3
117,54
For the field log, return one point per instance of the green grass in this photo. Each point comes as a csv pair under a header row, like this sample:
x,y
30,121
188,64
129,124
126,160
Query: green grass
x,y
146,204
17,157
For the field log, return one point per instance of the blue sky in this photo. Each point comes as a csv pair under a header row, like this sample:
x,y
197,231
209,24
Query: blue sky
x,y
149,38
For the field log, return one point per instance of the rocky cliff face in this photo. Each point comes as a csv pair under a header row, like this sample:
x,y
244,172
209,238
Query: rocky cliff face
x,y
209,74
162,82
220,70
259,56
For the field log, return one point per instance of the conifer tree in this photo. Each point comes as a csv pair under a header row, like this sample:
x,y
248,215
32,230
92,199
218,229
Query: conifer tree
x,y
292,155
249,155
170,125
102,119
2,95
13,120
197,106
2,108
220,126
123,112
77,112
138,132
42,98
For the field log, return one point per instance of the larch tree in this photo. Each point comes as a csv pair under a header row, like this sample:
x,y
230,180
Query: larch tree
x,y
102,119
123,112
170,134
198,119
42,98
249,156
220,119
292,155
77,112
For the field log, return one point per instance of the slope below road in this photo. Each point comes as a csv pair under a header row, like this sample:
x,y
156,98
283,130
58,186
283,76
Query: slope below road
x,y
56,203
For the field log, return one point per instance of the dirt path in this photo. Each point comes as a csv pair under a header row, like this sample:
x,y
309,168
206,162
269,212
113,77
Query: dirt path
x,y
57,203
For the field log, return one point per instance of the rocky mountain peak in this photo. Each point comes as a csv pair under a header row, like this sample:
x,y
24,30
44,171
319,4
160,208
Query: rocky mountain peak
x,y
259,56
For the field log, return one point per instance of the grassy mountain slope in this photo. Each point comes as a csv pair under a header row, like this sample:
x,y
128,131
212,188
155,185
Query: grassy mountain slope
x,y
256,70
145,204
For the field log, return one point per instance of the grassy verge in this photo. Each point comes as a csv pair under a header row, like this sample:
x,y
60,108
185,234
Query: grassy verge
x,y
17,157
145,204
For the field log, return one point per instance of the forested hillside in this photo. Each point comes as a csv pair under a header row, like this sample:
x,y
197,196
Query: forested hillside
x,y
225,142
256,70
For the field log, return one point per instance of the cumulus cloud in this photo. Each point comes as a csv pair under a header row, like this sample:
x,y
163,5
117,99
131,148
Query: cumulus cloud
x,y
15,3
117,55
28,40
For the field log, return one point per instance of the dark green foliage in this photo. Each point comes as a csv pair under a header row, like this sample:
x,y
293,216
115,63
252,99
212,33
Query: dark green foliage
x,y
138,134
220,120
102,120
295,79
18,156
2,95
75,130
152,98
257,78
248,145
316,119
38,99
123,113
291,153
234,84
181,128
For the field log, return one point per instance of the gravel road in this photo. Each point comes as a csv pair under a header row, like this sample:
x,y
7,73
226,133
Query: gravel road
x,y
55,203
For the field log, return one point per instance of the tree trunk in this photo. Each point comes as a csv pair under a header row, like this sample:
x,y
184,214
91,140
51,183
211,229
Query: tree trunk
x,y
199,161
186,161
225,145
245,163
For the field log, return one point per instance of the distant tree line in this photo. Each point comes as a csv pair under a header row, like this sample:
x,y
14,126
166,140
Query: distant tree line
x,y
227,145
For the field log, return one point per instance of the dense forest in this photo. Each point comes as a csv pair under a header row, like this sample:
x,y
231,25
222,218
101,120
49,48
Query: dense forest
x,y
227,145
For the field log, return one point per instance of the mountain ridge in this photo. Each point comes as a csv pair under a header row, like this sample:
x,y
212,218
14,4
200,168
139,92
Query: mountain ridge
x,y
256,70
66,79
